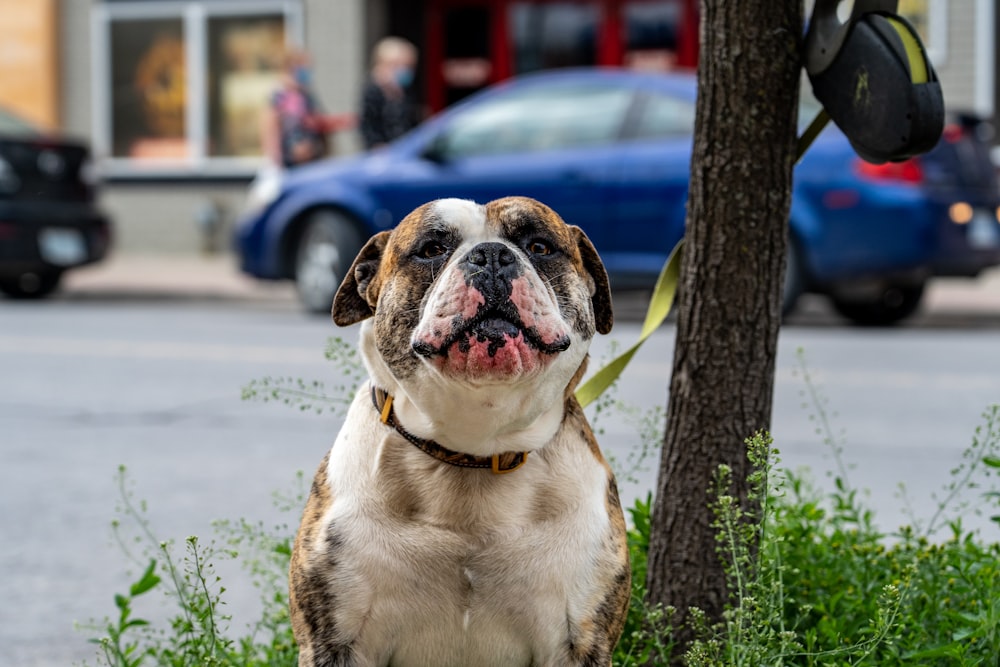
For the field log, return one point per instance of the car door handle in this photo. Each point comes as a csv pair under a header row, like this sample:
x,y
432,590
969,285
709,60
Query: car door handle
x,y
577,176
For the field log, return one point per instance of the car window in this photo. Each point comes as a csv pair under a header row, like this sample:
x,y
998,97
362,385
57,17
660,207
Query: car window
x,y
12,125
663,116
537,119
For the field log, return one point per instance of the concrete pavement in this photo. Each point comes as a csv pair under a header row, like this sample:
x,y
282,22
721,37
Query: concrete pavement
x,y
168,276
217,278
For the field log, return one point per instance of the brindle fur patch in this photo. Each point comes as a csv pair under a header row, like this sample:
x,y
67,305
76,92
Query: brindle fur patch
x,y
594,642
312,565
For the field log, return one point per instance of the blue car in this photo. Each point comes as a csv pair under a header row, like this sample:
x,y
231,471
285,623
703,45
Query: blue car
x,y
610,151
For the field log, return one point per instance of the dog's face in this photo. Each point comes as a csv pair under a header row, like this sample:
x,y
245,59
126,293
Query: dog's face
x,y
466,295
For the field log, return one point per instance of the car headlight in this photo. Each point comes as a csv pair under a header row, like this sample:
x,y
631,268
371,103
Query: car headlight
x,y
10,182
263,189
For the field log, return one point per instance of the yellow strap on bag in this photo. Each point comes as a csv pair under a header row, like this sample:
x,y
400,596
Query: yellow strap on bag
x,y
914,50
659,307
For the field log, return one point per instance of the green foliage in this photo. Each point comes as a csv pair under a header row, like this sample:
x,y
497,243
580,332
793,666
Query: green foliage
x,y
647,632
315,396
195,633
812,581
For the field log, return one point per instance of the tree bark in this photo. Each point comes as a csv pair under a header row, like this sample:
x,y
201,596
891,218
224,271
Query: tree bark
x,y
729,307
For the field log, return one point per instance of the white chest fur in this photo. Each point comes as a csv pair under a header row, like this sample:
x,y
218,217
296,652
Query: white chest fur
x,y
437,565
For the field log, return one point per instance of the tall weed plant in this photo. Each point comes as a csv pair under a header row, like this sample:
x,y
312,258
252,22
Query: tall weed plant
x,y
812,580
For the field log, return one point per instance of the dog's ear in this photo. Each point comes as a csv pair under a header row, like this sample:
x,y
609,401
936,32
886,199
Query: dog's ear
x,y
604,316
357,295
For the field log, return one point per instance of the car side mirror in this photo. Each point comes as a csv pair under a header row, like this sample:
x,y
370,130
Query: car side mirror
x,y
873,77
436,151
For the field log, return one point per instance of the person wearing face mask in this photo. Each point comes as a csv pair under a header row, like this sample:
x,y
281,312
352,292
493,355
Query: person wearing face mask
x,y
295,129
386,108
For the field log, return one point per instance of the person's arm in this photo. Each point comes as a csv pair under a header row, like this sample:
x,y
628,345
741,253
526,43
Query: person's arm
x,y
270,135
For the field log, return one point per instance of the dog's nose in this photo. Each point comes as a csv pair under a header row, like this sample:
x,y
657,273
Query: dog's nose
x,y
490,267
491,254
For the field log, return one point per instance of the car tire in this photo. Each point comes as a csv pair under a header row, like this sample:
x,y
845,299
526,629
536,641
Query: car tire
x,y
795,281
326,248
894,304
31,284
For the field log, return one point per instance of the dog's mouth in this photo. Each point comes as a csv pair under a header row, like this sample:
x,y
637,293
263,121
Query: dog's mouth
x,y
494,328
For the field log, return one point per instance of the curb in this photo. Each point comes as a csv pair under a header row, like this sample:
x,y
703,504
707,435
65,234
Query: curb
x,y
218,278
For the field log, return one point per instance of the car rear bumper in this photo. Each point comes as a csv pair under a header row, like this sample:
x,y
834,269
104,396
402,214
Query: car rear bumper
x,y
39,236
967,248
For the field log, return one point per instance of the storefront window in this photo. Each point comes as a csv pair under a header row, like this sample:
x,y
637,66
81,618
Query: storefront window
x,y
467,66
185,84
554,34
651,34
148,89
244,62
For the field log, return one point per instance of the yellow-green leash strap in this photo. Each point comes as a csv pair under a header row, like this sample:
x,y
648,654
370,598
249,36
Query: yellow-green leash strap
x,y
659,307
809,136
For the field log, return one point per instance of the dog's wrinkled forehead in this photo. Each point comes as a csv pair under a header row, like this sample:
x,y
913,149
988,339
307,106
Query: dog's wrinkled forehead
x,y
468,223
516,218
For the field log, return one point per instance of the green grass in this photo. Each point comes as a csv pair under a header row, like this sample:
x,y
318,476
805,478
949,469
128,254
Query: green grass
x,y
813,581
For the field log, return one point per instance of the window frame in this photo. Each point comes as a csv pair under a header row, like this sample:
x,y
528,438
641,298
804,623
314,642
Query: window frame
x,y
194,17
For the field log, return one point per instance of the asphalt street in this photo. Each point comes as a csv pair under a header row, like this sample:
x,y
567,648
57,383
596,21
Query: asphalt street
x,y
96,379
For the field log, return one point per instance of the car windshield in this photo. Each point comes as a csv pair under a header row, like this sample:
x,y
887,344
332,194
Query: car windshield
x,y
538,119
12,125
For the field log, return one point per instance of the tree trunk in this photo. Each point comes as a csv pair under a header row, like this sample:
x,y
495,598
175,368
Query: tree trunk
x,y
729,308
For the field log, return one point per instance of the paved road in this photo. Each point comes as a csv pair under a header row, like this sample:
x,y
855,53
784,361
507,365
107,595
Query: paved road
x,y
90,383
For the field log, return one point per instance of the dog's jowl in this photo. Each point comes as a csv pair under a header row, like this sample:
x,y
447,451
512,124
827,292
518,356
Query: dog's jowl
x,y
465,515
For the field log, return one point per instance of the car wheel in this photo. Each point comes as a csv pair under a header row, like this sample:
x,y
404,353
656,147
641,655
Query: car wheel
x,y
894,304
795,282
327,247
31,284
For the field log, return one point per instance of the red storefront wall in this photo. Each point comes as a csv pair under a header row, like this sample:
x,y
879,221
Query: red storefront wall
x,y
468,44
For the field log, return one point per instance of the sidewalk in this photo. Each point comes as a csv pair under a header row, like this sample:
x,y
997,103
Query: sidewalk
x,y
965,295
217,278
196,277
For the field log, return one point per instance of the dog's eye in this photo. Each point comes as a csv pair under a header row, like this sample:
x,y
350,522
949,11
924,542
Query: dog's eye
x,y
432,249
538,247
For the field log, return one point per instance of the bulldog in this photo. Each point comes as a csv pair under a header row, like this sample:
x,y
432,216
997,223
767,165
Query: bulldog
x,y
465,516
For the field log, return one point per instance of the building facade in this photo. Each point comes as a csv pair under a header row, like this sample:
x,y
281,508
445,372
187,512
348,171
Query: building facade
x,y
170,95
169,92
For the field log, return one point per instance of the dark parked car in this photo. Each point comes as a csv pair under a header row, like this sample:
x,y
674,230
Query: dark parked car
x,y
48,219
610,151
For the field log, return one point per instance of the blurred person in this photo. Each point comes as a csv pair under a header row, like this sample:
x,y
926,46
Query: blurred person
x,y
387,111
295,129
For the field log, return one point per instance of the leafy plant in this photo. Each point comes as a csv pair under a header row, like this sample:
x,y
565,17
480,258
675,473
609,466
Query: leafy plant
x,y
813,582
196,632
314,395
647,633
